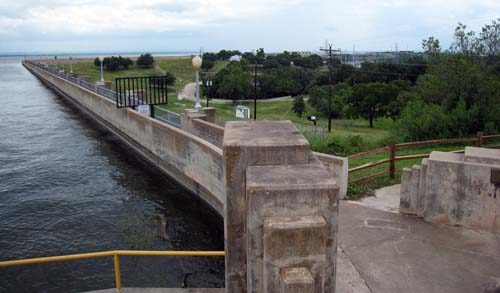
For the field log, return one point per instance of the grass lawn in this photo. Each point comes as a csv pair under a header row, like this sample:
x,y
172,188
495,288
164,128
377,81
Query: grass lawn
x,y
181,67
282,110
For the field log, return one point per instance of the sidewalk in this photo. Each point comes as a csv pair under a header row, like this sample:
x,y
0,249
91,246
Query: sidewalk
x,y
398,253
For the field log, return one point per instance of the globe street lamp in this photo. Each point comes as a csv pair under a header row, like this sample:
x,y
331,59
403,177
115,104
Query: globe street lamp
x,y
101,58
197,65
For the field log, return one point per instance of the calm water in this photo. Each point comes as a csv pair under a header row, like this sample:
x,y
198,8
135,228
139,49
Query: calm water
x,y
67,186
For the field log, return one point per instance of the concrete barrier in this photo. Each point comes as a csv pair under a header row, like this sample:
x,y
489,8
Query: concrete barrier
x,y
190,160
455,189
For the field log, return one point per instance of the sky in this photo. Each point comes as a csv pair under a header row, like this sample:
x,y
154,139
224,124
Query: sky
x,y
67,26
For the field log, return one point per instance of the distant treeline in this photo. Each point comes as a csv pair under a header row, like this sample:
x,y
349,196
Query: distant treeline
x,y
115,63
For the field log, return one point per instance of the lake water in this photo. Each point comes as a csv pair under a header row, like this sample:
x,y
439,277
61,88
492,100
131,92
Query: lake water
x,y
68,186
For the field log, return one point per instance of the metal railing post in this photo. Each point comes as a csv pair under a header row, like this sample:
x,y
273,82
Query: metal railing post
x,y
118,279
392,160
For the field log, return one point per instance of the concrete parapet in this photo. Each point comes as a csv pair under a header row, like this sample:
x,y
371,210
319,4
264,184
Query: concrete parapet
x,y
281,208
456,189
201,123
338,167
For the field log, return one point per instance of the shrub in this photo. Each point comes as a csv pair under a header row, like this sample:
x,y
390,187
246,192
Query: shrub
x,y
145,61
422,121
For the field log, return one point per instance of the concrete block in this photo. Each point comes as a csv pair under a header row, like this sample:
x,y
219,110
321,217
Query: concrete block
x,y
482,156
422,188
404,200
294,242
296,280
289,191
250,143
461,193
338,167
414,189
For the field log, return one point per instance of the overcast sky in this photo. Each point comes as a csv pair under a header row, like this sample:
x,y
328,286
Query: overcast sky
x,y
276,25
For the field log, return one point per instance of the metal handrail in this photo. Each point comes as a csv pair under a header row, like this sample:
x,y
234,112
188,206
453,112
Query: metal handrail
x,y
116,258
163,115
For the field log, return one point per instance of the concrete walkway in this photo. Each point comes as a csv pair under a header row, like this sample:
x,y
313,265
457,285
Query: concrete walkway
x,y
399,253
380,250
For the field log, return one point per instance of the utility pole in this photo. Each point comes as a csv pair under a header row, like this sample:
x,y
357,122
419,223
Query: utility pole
x,y
255,89
330,82
255,84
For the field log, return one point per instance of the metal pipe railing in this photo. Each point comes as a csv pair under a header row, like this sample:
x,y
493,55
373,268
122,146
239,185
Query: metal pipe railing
x,y
116,258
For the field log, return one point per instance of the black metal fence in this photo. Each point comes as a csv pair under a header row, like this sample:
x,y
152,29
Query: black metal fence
x,y
135,91
162,114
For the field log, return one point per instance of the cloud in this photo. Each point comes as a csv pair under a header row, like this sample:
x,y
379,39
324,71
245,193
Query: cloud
x,y
243,24
102,17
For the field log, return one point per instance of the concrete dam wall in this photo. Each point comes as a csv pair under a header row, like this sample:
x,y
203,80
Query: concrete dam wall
x,y
191,154
194,162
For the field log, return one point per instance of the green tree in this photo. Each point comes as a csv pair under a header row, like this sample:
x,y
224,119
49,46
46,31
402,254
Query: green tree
x,y
298,106
233,82
422,121
145,61
369,101
431,46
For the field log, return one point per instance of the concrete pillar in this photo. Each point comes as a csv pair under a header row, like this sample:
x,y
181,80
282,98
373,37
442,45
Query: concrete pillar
x,y
421,188
208,114
274,193
404,198
414,192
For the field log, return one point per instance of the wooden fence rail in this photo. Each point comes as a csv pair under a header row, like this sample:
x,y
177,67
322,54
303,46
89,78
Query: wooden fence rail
x,y
392,158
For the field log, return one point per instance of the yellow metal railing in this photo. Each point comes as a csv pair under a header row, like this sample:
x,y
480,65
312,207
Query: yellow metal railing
x,y
114,253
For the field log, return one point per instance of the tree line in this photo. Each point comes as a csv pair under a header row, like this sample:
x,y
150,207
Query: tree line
x,y
114,63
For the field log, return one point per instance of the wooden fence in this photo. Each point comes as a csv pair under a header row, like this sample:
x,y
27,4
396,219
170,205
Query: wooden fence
x,y
391,159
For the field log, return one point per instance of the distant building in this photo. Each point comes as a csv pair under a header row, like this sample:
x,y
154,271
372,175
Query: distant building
x,y
302,53
236,58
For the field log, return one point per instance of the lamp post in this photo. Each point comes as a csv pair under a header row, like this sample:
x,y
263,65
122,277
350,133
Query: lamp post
x,y
208,85
71,64
101,59
197,65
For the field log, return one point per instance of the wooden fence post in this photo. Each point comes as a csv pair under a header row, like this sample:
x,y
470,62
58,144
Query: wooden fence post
x,y
392,158
479,139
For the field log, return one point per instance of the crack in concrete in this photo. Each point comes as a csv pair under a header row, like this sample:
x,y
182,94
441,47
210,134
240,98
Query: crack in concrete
x,y
355,267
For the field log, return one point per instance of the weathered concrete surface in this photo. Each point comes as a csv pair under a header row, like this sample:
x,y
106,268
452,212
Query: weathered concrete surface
x,y
338,167
201,123
294,242
399,253
161,290
296,280
405,195
385,199
190,160
422,187
459,190
348,279
291,191
250,144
